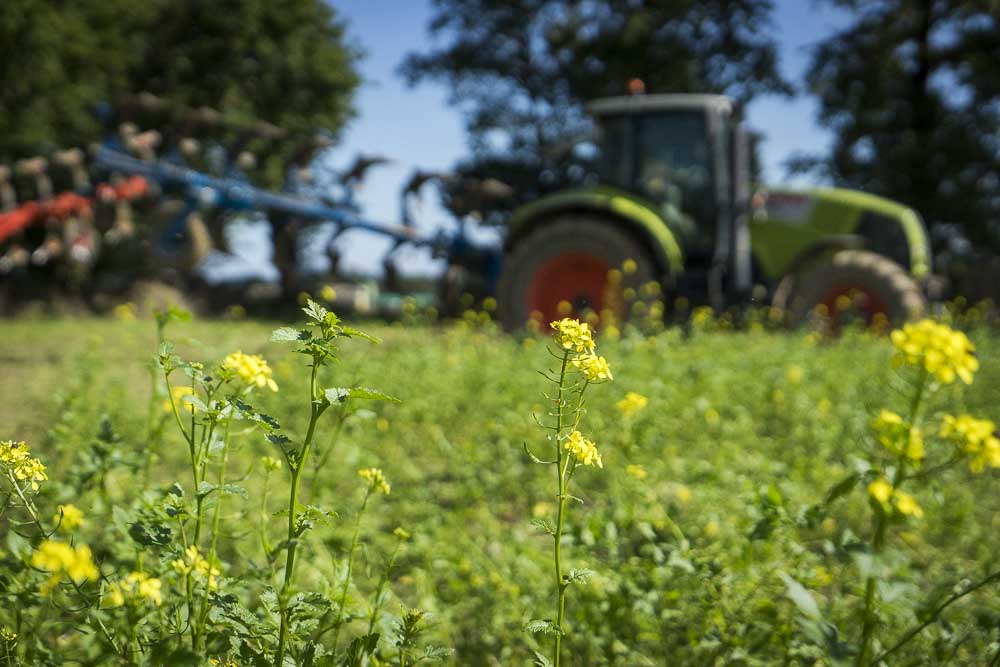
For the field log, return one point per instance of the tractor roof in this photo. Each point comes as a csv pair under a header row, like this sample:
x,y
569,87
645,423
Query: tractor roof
x,y
645,103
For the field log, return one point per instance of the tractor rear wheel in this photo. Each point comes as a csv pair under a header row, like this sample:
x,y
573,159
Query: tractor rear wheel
x,y
855,284
564,268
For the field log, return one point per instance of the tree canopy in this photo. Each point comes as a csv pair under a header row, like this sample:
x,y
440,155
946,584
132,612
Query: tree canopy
x,y
520,70
911,91
287,63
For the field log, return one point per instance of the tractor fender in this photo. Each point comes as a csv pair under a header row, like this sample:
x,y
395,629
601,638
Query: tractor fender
x,y
807,257
639,217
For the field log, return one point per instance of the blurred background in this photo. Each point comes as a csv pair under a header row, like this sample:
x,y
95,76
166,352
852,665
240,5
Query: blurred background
x,y
899,98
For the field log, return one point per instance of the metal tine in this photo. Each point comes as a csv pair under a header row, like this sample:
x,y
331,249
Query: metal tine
x,y
355,174
37,169
73,160
8,198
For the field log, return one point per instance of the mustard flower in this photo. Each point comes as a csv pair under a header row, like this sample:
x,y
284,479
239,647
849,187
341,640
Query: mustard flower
x,y
975,438
270,463
251,368
195,563
899,437
178,394
943,352
63,561
637,471
585,451
376,479
891,499
136,587
16,461
593,367
68,517
631,404
573,335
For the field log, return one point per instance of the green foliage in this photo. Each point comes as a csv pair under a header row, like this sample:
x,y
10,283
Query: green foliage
x,y
712,534
521,71
288,63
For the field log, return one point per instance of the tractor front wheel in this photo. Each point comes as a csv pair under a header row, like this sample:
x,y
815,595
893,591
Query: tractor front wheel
x,y
855,285
572,266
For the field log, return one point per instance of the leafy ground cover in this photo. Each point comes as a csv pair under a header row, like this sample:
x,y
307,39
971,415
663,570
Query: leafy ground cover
x,y
730,523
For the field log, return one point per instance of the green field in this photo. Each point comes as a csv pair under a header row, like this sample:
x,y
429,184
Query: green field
x,y
691,554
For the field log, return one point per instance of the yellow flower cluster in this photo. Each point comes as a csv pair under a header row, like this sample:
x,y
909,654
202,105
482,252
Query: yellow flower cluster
x,y
943,352
584,450
899,437
594,368
63,561
136,587
17,461
975,438
68,517
270,463
637,471
573,335
197,564
631,404
251,368
893,499
178,394
376,479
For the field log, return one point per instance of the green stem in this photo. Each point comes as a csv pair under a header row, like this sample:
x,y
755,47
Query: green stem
x,y
557,538
293,498
338,623
376,603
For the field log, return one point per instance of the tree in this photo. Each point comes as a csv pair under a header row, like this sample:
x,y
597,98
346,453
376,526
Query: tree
x,y
287,63
911,92
521,70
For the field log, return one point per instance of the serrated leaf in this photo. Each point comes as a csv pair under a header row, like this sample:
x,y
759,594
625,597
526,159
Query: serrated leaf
x,y
340,394
351,332
544,526
541,660
575,575
289,335
801,597
543,626
842,488
205,488
237,490
315,312
277,439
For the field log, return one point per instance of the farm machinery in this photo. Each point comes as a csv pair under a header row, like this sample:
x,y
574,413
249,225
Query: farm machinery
x,y
672,203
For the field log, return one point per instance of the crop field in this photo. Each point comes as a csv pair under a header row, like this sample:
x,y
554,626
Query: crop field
x,y
748,509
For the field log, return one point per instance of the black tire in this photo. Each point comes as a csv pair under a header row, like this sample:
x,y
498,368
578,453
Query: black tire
x,y
893,291
601,238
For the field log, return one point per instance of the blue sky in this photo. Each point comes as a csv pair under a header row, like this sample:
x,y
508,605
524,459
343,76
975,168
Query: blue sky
x,y
416,127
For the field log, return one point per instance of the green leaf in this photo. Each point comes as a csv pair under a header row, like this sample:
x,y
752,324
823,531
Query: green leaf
x,y
541,660
289,335
542,626
544,526
205,488
315,312
360,647
340,394
801,597
842,488
237,490
351,332
575,575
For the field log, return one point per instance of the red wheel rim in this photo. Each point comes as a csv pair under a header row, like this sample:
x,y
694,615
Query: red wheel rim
x,y
579,278
861,300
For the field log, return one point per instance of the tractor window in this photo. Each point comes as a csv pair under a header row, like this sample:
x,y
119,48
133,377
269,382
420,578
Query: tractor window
x,y
676,154
615,162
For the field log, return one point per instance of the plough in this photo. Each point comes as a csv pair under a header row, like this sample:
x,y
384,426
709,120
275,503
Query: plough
x,y
193,189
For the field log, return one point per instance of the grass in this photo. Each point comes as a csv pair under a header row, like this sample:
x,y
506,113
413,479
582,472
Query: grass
x,y
743,435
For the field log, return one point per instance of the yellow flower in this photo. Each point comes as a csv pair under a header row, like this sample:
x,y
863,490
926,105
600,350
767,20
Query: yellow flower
x,y
251,368
711,528
824,406
636,471
178,394
328,293
794,374
585,451
401,533
573,335
136,587
376,479
899,437
197,564
595,368
16,461
712,416
68,517
270,463
63,561
684,494
631,404
943,352
892,499
975,438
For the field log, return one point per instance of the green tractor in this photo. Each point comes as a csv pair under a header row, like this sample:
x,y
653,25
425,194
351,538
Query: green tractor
x,y
674,203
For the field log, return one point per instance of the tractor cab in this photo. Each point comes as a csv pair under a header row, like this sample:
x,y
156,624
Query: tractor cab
x,y
689,156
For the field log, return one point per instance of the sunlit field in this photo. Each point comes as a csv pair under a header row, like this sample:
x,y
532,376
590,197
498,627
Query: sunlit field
x,y
740,516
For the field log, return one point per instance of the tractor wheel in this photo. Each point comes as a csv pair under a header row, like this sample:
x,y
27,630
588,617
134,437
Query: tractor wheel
x,y
562,269
855,284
